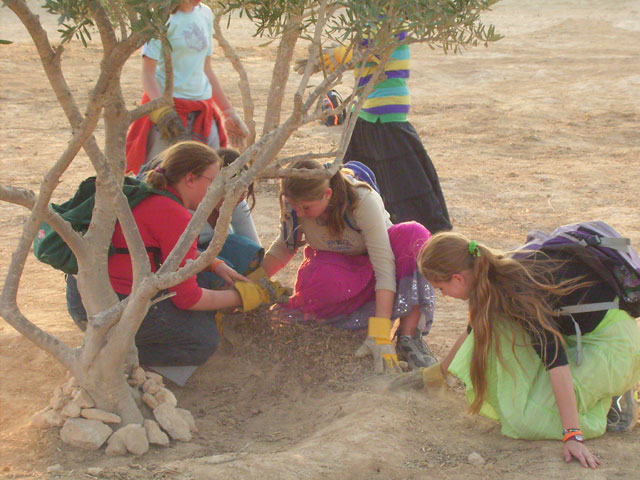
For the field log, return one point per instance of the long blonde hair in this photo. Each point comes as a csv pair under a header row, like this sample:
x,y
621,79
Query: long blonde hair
x,y
519,291
344,197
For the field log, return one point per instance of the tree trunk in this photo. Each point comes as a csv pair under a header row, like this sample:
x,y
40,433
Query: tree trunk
x,y
107,385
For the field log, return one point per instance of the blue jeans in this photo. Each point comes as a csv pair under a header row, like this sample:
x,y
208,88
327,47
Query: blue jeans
x,y
168,336
239,252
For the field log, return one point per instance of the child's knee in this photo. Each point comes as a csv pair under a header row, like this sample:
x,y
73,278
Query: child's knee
x,y
206,349
206,340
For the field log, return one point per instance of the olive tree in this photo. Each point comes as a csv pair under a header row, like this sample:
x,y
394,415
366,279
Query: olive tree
x,y
121,27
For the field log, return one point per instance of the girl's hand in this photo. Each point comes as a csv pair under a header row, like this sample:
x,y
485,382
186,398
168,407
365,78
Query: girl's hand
x,y
228,274
236,130
578,450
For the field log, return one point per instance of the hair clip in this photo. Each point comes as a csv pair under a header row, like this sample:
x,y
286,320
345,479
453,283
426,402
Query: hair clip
x,y
473,249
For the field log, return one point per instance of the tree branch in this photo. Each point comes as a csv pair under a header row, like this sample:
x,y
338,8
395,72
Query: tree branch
x,y
50,344
18,196
105,28
274,172
280,74
248,107
117,7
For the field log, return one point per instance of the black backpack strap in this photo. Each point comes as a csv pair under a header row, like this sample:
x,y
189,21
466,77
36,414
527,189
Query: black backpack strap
x,y
290,227
145,190
155,251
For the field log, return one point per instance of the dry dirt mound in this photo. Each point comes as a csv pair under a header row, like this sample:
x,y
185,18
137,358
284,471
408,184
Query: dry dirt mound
x,y
289,402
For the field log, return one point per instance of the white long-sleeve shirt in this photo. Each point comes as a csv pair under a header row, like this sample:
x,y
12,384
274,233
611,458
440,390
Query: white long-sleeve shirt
x,y
371,219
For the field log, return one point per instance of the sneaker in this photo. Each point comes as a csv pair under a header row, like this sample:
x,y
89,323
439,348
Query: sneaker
x,y
623,414
414,350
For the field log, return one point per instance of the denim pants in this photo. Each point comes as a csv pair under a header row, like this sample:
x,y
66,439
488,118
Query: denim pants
x,y
168,336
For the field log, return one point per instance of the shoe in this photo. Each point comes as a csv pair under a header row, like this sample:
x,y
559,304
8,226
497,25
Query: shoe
x,y
623,414
414,350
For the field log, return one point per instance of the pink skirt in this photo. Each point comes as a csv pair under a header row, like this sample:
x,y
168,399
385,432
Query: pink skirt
x,y
339,289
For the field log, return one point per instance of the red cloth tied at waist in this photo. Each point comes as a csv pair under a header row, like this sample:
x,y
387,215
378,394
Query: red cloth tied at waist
x,y
136,145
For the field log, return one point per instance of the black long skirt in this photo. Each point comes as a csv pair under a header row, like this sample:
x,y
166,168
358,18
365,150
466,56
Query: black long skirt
x,y
404,172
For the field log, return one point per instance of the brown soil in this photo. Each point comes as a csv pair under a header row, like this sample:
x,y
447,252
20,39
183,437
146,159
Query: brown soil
x,y
538,130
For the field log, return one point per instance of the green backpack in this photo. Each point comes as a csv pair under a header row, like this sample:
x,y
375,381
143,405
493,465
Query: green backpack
x,y
48,246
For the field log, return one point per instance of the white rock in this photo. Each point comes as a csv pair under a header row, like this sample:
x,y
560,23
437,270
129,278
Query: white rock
x,y
150,400
138,376
151,386
165,395
224,458
186,415
154,434
134,438
156,377
475,458
83,399
95,471
85,433
102,415
69,386
57,392
172,422
54,468
71,409
59,403
47,418
59,399
115,446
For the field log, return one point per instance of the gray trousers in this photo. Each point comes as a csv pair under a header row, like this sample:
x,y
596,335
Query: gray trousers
x,y
167,335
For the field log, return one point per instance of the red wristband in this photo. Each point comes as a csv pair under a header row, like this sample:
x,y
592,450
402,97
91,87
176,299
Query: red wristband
x,y
574,434
215,263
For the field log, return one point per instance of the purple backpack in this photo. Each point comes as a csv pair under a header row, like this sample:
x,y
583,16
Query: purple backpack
x,y
600,247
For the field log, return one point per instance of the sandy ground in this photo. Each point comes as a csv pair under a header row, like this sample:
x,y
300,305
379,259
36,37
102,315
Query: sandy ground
x,y
538,130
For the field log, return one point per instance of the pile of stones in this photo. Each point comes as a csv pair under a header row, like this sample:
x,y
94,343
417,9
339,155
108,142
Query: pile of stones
x,y
87,427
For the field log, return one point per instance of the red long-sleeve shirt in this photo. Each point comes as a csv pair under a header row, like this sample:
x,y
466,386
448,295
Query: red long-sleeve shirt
x,y
161,220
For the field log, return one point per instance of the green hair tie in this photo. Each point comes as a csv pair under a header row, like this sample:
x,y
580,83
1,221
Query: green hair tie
x,y
473,248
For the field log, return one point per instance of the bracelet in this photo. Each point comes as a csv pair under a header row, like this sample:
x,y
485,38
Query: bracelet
x,y
571,433
215,263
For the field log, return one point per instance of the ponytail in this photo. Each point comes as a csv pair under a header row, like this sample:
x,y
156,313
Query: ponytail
x,y
515,293
178,160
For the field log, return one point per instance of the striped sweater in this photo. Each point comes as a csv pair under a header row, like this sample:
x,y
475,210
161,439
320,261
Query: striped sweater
x,y
389,101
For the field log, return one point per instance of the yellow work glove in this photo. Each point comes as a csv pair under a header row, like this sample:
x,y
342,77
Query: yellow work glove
x,y
378,345
218,318
432,376
262,292
257,274
330,59
156,115
333,58
169,124
422,377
